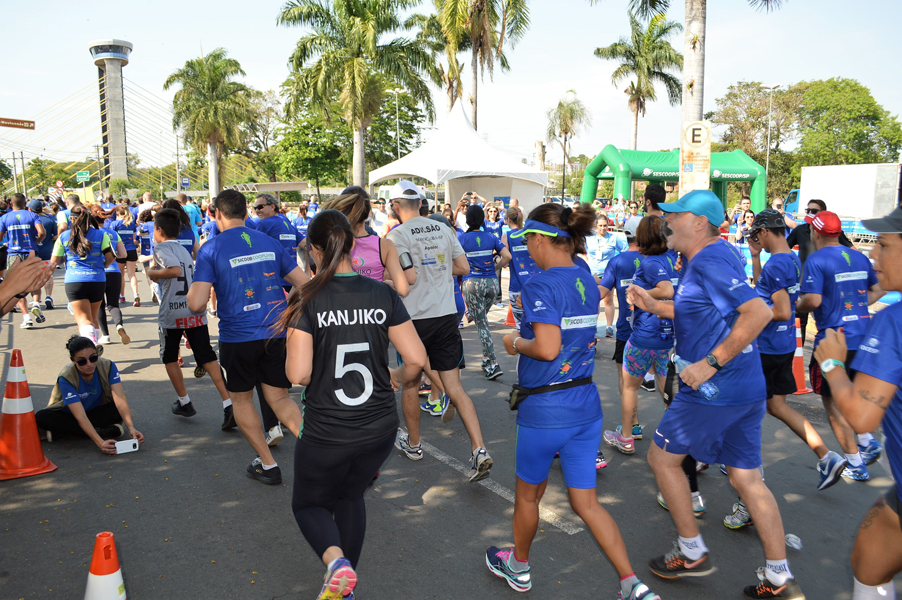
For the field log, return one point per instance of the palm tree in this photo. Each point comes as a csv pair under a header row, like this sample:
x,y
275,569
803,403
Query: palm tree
x,y
348,55
210,107
431,36
484,24
564,121
646,55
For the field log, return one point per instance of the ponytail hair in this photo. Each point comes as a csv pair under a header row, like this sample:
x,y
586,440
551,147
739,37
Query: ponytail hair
x,y
329,232
183,216
125,215
78,240
577,222
515,217
77,343
354,202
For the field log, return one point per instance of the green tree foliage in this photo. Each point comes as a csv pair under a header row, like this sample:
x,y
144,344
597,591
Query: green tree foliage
x,y
6,172
259,133
381,137
311,149
119,187
564,122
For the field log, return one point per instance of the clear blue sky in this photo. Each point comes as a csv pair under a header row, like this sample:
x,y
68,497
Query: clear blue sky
x,y
47,58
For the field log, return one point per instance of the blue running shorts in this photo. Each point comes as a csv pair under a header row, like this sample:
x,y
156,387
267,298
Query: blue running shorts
x,y
578,447
713,434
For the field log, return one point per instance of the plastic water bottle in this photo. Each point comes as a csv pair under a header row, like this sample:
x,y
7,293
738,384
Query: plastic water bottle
x,y
793,541
666,329
708,390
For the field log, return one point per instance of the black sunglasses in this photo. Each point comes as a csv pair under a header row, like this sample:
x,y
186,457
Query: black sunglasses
x,y
82,361
812,211
260,206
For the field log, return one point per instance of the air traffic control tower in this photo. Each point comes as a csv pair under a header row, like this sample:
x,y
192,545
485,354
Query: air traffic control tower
x,y
110,56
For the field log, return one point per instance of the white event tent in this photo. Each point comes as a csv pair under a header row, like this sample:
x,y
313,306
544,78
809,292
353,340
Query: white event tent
x,y
459,158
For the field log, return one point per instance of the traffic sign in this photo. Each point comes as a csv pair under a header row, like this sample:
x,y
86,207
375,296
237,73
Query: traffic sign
x,y
83,176
186,181
695,156
16,123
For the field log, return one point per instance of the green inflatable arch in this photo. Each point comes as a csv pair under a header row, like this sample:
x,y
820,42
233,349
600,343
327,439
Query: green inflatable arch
x,y
626,166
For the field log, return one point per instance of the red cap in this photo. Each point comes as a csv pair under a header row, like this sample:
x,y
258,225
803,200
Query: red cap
x,y
827,223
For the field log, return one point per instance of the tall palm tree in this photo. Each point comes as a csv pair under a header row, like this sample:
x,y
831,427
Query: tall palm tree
x,y
210,107
647,56
431,36
486,25
565,121
349,55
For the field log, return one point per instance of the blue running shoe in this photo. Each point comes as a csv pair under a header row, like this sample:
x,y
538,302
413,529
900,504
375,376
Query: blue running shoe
x,y
498,562
640,591
830,468
869,453
448,410
339,581
434,409
723,468
48,302
859,473
637,432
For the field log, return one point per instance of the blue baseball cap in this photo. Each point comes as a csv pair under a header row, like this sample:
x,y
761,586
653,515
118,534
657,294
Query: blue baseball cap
x,y
531,226
703,203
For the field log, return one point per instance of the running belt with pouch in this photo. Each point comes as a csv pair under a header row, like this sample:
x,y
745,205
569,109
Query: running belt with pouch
x,y
70,374
519,394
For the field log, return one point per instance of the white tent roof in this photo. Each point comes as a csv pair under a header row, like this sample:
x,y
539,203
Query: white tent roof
x,y
455,151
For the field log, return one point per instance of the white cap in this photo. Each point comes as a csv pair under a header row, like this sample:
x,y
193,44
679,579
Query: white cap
x,y
403,189
631,226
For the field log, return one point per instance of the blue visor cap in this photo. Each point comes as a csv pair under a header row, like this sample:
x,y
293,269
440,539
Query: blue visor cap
x,y
703,203
538,227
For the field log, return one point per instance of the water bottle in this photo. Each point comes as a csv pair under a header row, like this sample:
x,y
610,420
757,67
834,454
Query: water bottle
x,y
708,390
666,329
793,541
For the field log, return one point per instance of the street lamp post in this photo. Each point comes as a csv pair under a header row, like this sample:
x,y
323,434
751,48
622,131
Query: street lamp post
x,y
769,109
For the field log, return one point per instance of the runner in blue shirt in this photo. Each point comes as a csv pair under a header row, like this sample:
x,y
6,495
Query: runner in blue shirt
x,y
113,288
45,248
522,266
716,414
23,232
561,411
874,398
838,286
600,249
127,228
245,267
186,236
494,225
193,212
276,225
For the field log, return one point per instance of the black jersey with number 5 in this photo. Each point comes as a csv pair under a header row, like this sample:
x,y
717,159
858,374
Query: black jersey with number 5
x,y
350,400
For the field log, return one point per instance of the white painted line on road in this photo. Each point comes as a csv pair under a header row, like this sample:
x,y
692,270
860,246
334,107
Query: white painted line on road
x,y
546,515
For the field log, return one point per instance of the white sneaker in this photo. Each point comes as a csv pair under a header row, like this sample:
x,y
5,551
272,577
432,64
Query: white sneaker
x,y
29,324
104,339
274,436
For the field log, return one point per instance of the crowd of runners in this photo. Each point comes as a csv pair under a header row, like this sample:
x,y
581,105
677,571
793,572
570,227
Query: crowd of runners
x,y
318,297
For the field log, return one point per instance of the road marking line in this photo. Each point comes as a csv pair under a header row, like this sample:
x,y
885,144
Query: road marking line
x,y
546,515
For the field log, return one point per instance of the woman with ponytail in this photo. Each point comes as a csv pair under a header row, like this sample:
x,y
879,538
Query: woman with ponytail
x,y
342,323
559,408
87,252
125,227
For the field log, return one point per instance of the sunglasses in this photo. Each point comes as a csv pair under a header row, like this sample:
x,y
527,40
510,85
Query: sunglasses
x,y
812,211
260,206
82,361
778,206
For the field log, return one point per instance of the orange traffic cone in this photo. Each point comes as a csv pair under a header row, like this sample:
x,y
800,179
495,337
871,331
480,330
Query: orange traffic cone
x,y
105,578
21,454
510,322
798,364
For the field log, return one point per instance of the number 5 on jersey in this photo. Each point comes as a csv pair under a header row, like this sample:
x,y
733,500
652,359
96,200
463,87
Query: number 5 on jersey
x,y
341,369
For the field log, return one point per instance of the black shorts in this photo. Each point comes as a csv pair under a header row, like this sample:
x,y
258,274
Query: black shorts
x,y
130,256
778,374
3,255
198,337
619,346
441,337
819,382
92,291
257,361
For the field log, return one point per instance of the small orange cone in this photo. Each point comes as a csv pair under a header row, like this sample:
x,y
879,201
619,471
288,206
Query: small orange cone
x,y
21,454
105,578
510,322
798,364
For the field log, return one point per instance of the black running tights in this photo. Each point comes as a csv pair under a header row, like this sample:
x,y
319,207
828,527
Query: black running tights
x,y
61,422
111,302
691,474
328,493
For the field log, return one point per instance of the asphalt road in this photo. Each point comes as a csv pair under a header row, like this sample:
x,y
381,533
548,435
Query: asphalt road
x,y
188,523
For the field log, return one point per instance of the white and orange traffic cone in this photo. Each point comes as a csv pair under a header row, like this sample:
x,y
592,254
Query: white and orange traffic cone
x,y
798,364
105,579
510,322
21,454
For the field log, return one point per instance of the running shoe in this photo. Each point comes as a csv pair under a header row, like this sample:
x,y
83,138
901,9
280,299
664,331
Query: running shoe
x,y
123,336
460,325
498,562
613,438
871,452
228,418
608,331
698,504
830,468
640,591
274,436
183,410
212,313
432,408
425,388
199,371
448,410
493,372
723,468
48,303
111,432
339,581
27,324
402,443
469,318
648,386
700,466
121,299
739,518
137,302
675,564
859,473
256,471
105,339
765,589
480,465
637,432
600,462
35,311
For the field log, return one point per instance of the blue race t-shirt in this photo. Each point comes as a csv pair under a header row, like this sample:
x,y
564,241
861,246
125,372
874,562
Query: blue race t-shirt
x,y
126,233
522,266
880,356
618,276
842,277
114,242
246,268
780,272
650,332
601,250
186,238
89,394
88,268
45,248
207,228
145,236
566,297
279,228
495,228
20,230
713,286
193,216
108,206
214,229
301,224
480,248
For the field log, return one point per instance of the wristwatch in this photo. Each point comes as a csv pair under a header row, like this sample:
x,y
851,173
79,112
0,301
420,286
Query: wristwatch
x,y
712,360
829,364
